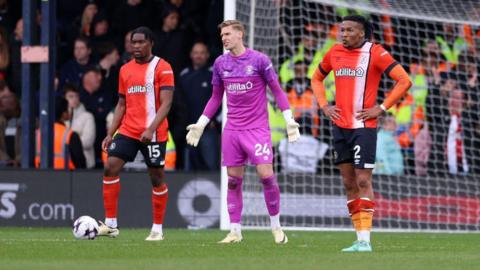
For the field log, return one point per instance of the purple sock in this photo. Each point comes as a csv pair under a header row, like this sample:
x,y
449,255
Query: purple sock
x,y
234,199
271,191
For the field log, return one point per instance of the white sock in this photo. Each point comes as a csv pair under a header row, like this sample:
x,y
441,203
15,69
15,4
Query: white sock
x,y
275,221
111,222
157,228
236,227
363,236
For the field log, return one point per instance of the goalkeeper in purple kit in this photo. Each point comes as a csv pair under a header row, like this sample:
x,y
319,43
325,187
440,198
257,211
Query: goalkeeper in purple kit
x,y
244,74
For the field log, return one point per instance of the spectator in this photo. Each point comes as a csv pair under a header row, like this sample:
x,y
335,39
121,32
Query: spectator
x,y
72,71
447,122
9,109
4,54
98,101
100,34
389,158
15,71
82,122
68,150
196,90
470,86
127,48
74,21
193,14
452,44
109,59
422,146
131,14
170,43
301,98
437,118
456,154
304,155
86,19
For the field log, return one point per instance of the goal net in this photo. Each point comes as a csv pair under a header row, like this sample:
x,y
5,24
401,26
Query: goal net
x,y
428,151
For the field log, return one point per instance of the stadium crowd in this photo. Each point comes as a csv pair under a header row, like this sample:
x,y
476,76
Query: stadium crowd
x,y
434,130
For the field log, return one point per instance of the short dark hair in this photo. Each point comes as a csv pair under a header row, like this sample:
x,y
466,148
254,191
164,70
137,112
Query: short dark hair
x,y
70,87
145,31
85,40
106,49
61,106
367,27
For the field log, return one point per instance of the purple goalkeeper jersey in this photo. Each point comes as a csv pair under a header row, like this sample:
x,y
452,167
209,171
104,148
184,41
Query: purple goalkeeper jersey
x,y
244,78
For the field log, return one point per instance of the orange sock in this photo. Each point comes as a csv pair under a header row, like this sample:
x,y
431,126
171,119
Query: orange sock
x,y
111,190
361,211
159,203
362,221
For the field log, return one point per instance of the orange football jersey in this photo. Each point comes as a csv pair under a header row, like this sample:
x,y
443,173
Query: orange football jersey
x,y
357,76
141,84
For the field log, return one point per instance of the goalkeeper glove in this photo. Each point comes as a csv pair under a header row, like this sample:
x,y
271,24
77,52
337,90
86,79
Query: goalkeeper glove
x,y
292,127
195,131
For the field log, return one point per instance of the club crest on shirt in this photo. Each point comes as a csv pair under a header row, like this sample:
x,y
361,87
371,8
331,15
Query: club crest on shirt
x,y
249,70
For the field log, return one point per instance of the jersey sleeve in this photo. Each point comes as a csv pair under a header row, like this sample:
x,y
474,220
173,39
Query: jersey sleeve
x,y
121,84
165,77
383,60
266,69
326,65
216,79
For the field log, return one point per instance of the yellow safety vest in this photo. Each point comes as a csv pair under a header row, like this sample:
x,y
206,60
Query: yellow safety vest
x,y
277,124
452,53
171,154
287,73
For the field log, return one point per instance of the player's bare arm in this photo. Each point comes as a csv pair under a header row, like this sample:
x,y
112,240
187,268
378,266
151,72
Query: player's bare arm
x,y
330,111
117,119
166,96
403,83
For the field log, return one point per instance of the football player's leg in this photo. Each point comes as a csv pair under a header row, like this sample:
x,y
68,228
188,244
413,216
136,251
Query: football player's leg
x,y
111,191
121,150
362,207
154,155
271,192
234,204
159,202
234,158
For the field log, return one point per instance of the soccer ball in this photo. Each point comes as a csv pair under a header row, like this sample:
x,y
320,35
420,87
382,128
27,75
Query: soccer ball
x,y
85,228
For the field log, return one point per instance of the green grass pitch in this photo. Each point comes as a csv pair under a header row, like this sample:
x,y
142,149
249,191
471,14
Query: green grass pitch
x,y
55,248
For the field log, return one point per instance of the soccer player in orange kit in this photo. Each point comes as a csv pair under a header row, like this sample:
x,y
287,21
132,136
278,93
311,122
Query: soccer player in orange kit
x,y
358,66
145,90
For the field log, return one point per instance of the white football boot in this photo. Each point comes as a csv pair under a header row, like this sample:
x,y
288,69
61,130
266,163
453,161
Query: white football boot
x,y
279,236
104,230
232,237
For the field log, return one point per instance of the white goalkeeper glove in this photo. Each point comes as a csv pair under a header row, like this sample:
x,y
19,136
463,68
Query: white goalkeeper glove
x,y
195,131
292,127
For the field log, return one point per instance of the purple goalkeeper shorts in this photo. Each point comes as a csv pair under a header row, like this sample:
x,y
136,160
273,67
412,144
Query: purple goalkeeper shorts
x,y
253,146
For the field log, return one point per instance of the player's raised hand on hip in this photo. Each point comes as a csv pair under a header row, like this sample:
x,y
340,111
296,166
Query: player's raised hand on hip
x,y
146,136
195,131
370,113
331,112
106,142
